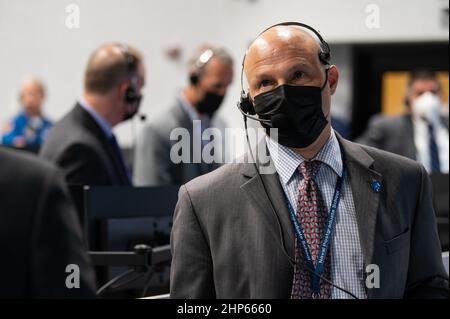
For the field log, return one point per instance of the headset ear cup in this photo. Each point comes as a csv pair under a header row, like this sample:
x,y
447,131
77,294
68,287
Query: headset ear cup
x,y
325,57
193,79
130,96
246,104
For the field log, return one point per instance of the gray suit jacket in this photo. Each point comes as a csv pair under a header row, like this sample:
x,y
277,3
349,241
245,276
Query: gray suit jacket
x,y
152,165
227,242
393,134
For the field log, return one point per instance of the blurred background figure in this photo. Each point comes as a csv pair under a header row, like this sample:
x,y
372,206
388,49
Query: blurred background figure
x,y
421,133
29,128
82,143
342,127
40,235
210,74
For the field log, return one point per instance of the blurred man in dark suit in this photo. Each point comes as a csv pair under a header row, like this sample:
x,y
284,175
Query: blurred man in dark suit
x,y
83,143
422,132
40,237
210,74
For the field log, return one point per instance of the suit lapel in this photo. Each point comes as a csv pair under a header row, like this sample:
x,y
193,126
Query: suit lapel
x,y
444,121
117,162
267,195
184,120
361,175
92,126
408,138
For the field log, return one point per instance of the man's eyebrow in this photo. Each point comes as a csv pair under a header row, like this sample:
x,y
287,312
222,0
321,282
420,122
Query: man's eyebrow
x,y
301,64
261,76
294,67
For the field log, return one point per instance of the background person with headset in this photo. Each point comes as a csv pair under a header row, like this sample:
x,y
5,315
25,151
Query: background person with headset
x,y
332,208
210,74
82,143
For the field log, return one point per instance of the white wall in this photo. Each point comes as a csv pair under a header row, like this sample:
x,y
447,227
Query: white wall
x,y
34,39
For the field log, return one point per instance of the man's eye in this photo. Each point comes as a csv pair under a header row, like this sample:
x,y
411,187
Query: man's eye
x,y
298,75
264,83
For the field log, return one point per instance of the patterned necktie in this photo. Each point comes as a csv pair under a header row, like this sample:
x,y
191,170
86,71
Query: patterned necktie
x,y
119,155
312,216
434,153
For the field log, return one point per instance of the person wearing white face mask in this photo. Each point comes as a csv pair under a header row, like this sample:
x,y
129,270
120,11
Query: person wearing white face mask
x,y
422,132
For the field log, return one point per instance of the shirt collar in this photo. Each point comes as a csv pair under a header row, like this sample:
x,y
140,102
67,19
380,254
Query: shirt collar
x,y
191,111
287,161
435,123
188,107
104,125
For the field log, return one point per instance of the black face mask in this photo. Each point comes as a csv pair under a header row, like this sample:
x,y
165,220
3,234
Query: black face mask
x,y
210,103
296,111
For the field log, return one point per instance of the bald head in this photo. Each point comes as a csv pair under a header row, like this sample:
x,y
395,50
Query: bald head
x,y
212,67
33,82
285,37
109,65
278,46
32,94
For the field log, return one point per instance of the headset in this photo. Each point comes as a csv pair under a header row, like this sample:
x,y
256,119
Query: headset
x,y
245,104
131,96
247,109
200,64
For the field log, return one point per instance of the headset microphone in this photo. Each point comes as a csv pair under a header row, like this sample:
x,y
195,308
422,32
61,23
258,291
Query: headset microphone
x,y
254,117
142,117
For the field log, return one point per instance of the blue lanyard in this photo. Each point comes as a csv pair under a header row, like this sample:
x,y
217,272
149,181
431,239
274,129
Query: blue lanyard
x,y
331,221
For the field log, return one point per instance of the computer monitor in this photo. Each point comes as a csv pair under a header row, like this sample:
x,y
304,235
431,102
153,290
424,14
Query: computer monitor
x,y
116,218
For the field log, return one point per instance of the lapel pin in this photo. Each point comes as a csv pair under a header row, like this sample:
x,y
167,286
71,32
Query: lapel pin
x,y
376,186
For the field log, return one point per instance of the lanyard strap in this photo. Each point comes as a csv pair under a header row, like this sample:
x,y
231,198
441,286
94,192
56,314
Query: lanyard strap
x,y
331,221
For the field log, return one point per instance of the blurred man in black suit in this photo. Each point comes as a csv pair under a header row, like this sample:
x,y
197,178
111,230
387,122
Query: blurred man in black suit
x,y
83,143
39,233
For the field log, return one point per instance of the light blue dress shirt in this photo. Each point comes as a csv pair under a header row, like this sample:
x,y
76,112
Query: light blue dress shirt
x,y
346,255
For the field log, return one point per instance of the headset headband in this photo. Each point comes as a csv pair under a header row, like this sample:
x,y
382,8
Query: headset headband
x,y
324,55
130,59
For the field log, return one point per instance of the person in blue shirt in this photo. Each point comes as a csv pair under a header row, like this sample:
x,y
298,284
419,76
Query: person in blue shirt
x,y
30,126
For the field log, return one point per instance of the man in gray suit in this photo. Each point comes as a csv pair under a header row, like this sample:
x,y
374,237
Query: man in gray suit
x,y
239,233
210,74
422,132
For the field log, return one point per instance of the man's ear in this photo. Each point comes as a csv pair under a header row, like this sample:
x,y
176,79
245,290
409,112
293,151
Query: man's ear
x,y
249,94
333,78
121,90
